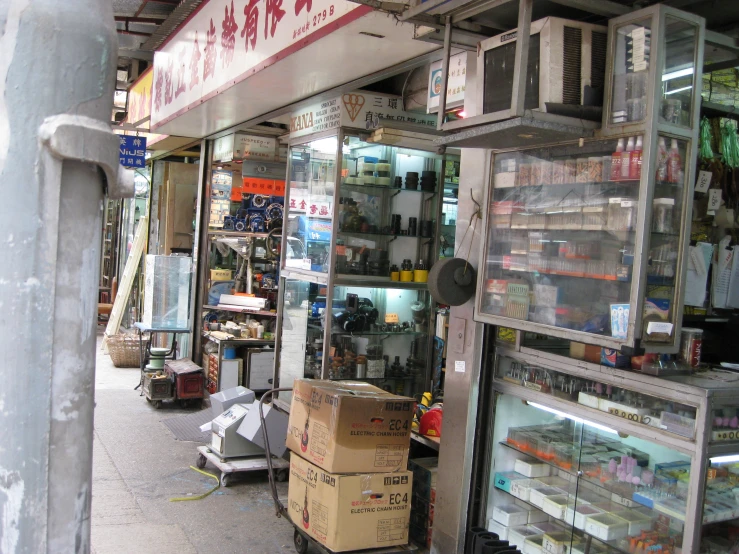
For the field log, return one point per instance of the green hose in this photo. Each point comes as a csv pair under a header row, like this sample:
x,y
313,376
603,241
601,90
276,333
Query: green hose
x,y
705,150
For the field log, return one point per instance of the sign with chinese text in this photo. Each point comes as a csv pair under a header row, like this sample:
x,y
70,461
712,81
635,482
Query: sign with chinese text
x,y
223,148
220,197
315,205
226,41
359,110
251,147
132,151
315,229
139,99
257,185
455,85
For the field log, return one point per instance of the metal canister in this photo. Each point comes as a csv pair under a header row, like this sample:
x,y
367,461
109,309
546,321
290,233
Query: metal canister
x,y
691,342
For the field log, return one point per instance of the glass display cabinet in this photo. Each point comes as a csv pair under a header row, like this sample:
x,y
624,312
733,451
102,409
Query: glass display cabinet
x,y
585,461
361,232
587,240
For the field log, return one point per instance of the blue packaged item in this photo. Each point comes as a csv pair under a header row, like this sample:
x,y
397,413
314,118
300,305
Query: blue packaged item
x,y
619,320
613,358
229,353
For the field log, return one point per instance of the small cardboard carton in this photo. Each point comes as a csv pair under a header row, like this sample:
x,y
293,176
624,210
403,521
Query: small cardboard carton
x,y
349,427
350,512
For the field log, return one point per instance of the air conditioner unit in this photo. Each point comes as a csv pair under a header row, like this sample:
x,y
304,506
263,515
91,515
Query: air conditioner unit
x,y
566,65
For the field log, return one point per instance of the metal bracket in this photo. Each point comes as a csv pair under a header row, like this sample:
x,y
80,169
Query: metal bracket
x,y
77,137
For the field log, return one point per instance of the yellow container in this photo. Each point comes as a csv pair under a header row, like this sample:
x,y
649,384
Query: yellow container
x,y
394,275
221,274
406,276
420,275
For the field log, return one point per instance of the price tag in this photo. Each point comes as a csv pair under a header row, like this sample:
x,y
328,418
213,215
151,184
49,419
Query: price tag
x,y
391,318
459,366
661,327
714,200
703,182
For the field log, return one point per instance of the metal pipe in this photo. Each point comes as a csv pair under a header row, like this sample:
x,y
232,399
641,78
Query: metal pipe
x,y
51,228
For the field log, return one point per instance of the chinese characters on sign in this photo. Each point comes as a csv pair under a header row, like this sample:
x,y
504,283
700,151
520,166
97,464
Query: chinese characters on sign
x,y
455,85
358,110
206,55
132,151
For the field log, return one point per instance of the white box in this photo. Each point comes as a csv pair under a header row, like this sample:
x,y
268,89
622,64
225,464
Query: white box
x,y
576,516
498,529
534,545
556,506
606,527
638,522
589,400
521,488
537,516
532,469
505,179
537,496
518,535
510,515
559,542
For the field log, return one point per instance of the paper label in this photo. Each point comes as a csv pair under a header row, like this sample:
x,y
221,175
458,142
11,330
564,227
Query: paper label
x,y
459,366
391,318
714,200
703,182
659,327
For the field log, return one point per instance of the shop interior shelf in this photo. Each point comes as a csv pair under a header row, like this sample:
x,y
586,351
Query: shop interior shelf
x,y
603,184
573,274
431,442
359,186
380,333
366,281
216,232
240,340
240,310
578,532
361,234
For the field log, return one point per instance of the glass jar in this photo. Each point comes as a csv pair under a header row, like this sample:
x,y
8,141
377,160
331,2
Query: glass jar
x,y
662,215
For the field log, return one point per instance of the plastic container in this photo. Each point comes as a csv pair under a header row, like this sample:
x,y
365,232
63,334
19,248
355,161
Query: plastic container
x,y
663,215
691,343
583,172
621,214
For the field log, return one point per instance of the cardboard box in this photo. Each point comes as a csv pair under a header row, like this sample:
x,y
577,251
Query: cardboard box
x,y
350,512
276,423
349,427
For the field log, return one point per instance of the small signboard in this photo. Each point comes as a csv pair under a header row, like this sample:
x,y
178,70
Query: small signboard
x,y
132,151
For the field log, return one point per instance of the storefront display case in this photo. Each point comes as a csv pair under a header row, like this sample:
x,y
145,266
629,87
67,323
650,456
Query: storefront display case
x,y
354,301
608,463
586,240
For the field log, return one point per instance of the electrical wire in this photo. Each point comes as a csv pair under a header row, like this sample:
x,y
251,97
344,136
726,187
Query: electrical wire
x,y
199,496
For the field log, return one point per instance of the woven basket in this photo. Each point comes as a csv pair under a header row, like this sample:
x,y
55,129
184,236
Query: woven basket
x,y
124,350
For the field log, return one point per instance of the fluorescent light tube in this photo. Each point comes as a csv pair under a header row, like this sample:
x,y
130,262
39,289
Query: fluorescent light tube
x,y
573,418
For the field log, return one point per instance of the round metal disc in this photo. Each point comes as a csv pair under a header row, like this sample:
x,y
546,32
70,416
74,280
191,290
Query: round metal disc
x,y
444,281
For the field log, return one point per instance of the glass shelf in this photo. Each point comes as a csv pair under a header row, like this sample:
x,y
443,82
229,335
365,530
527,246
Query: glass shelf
x,y
632,405
589,479
361,186
380,333
365,234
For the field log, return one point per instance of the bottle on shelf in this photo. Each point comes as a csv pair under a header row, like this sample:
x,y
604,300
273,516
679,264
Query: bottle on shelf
x,y
662,159
675,164
626,158
616,161
635,159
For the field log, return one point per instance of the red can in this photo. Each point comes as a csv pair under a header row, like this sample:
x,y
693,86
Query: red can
x,y
691,341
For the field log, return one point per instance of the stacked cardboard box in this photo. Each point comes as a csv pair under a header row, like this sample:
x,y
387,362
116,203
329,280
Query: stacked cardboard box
x,y
424,498
349,488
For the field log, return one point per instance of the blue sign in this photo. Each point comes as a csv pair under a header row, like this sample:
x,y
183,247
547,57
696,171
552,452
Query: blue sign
x,y
132,151
315,229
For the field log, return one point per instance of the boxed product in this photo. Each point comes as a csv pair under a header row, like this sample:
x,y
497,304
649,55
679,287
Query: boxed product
x,y
613,358
504,480
344,426
510,515
587,352
350,512
425,471
498,528
556,506
532,469
518,535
